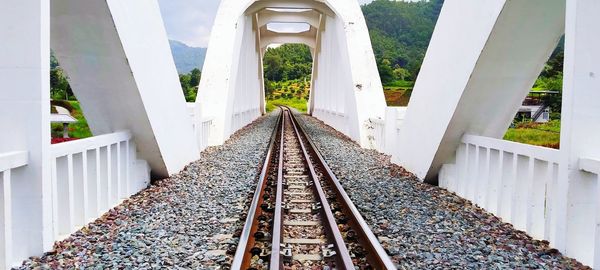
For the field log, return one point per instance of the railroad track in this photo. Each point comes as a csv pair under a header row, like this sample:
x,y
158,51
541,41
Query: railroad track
x,y
300,216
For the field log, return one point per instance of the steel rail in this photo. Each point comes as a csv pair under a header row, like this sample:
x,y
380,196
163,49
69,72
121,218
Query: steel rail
x,y
276,262
343,256
377,256
240,260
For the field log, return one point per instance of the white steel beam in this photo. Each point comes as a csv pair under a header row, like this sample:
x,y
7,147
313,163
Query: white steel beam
x,y
119,64
482,61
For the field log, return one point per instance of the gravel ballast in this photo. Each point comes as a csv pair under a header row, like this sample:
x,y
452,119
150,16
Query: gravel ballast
x,y
423,226
183,222
191,220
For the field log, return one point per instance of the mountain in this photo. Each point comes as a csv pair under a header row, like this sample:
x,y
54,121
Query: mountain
x,y
186,57
400,33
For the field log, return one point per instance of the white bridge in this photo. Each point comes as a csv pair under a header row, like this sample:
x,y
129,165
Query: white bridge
x,y
482,61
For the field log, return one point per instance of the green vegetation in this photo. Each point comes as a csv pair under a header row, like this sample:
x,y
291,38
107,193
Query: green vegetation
x,y
299,104
400,33
288,71
81,128
59,84
189,84
551,79
547,134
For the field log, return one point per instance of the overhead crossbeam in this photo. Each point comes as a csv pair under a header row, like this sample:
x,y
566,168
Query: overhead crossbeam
x,y
267,16
268,37
290,4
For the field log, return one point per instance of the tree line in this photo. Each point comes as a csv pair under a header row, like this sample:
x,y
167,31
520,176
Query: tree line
x,y
288,62
60,89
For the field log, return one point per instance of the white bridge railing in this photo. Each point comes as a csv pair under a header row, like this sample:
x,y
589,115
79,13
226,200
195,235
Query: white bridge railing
x,y
92,175
384,132
377,134
514,181
520,184
202,126
334,119
202,131
242,118
8,162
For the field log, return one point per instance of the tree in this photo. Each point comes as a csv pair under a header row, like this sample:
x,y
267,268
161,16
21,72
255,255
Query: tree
x,y
195,75
189,84
386,72
401,73
273,67
59,85
288,62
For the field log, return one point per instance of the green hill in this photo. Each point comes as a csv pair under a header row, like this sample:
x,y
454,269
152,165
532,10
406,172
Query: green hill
x,y
187,58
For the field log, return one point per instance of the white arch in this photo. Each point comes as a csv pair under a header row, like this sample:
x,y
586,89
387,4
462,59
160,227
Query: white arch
x,y
346,89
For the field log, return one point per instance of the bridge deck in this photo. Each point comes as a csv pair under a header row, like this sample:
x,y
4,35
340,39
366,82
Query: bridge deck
x,y
191,220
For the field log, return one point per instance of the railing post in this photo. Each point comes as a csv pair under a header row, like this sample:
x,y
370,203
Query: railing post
x,y
391,116
64,195
104,178
128,164
6,240
93,170
495,180
79,188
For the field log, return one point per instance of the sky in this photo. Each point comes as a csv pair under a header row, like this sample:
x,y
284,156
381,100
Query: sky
x,y
190,21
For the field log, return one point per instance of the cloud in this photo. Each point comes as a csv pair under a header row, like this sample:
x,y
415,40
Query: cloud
x,y
190,21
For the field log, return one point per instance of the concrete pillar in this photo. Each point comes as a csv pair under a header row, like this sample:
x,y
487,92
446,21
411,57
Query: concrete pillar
x,y
579,136
25,108
495,50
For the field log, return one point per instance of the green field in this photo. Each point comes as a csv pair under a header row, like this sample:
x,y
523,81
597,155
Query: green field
x,y
292,93
299,104
546,135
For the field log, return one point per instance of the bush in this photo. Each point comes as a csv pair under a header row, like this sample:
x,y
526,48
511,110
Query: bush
x,y
63,103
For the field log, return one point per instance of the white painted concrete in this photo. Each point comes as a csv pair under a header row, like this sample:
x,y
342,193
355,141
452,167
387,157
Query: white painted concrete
x,y
496,49
579,208
25,108
516,182
90,176
117,57
346,89
119,64
551,194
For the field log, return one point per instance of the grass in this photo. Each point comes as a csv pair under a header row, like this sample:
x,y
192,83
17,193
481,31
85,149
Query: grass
x,y
299,104
81,128
400,84
546,134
